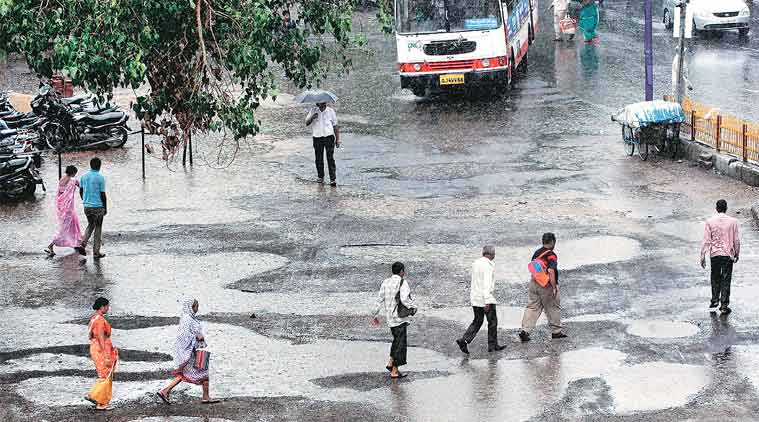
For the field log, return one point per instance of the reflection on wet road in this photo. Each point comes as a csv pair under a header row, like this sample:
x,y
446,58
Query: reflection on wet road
x,y
286,271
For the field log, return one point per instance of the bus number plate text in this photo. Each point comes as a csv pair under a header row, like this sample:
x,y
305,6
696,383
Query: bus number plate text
x,y
452,79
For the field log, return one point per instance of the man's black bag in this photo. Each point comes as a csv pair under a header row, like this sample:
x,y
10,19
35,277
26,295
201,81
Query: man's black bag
x,y
403,310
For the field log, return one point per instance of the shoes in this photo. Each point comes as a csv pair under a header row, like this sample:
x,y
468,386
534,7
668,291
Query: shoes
x,y
98,256
558,335
524,336
571,37
81,250
320,180
333,183
462,346
557,39
726,311
497,348
713,306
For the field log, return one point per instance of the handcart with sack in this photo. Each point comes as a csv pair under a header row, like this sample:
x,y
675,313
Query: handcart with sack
x,y
651,125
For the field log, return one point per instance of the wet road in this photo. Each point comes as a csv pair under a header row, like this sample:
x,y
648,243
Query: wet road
x,y
425,181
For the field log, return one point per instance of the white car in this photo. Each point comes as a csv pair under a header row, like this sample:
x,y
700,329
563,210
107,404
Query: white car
x,y
712,15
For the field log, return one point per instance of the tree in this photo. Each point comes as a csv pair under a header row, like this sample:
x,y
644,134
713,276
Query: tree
x,y
207,62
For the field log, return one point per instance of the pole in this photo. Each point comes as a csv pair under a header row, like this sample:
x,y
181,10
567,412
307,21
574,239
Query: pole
x,y
681,55
190,149
60,164
184,155
648,50
142,135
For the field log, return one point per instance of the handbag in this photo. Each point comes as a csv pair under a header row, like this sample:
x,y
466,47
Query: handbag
x,y
568,25
403,310
102,391
202,357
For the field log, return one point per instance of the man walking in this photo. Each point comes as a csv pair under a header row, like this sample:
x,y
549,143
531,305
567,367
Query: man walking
x,y
326,134
722,243
542,298
560,8
92,192
481,294
393,290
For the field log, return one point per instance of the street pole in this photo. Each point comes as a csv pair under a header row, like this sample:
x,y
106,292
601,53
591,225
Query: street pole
x,y
648,50
142,135
60,165
680,83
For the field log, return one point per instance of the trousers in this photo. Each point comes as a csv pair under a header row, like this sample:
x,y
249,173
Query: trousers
x,y
541,299
474,327
722,274
399,346
94,225
326,143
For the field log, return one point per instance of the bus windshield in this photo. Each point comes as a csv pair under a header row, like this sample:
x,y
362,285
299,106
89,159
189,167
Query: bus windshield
x,y
425,16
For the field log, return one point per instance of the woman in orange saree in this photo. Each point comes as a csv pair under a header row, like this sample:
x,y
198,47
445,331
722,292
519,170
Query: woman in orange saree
x,y
103,354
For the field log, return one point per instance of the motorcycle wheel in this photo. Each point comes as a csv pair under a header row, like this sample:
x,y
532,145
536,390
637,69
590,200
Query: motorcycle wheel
x,y
117,137
30,188
55,137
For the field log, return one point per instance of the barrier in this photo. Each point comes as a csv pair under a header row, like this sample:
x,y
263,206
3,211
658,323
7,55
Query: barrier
x,y
724,133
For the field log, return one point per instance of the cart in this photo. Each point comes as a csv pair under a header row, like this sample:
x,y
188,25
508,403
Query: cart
x,y
651,125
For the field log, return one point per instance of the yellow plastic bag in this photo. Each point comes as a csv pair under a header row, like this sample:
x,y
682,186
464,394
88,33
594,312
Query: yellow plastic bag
x,y
102,392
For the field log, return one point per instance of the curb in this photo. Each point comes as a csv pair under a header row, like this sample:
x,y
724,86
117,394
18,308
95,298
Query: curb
x,y
726,164
755,213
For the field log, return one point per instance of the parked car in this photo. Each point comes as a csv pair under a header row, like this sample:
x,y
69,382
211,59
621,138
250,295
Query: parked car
x,y
712,15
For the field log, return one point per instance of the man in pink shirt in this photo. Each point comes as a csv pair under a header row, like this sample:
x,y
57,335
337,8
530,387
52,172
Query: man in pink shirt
x,y
722,243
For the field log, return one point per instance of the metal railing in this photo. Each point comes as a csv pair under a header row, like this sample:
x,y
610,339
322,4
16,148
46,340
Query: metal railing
x,y
724,133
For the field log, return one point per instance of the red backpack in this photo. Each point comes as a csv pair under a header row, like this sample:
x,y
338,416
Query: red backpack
x,y
539,269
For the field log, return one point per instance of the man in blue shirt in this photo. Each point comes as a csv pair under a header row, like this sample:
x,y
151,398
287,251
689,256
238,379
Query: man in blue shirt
x,y
92,191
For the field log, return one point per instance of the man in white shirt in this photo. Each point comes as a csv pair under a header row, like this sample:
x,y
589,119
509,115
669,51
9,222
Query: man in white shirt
x,y
326,133
483,302
387,302
560,8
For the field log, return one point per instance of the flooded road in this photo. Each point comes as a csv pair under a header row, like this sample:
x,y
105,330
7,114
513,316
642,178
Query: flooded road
x,y
286,270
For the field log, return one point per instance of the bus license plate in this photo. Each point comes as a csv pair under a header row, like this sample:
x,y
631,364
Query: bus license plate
x,y
452,79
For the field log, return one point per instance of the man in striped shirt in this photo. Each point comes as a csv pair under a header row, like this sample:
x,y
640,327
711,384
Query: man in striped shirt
x,y
722,243
387,302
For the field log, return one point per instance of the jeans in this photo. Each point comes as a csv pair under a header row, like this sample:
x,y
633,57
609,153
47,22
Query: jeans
x,y
320,145
722,273
94,225
474,327
399,346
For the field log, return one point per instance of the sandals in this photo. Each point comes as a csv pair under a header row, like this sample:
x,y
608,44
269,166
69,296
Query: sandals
x,y
163,397
104,409
89,399
400,375
49,252
210,401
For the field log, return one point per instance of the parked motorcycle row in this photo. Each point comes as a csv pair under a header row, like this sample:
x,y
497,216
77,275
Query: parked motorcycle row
x,y
55,123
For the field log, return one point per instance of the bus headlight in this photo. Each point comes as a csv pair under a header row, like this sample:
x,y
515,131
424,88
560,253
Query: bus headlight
x,y
485,63
417,67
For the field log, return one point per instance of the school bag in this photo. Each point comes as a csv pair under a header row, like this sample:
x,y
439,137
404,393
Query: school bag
x,y
539,269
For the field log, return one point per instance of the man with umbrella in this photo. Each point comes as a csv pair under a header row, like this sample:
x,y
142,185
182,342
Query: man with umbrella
x,y
326,132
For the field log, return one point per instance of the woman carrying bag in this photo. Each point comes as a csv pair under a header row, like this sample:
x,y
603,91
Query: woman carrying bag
x,y
103,354
191,358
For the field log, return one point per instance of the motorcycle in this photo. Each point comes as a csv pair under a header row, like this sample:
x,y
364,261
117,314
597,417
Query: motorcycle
x,y
65,129
19,176
20,144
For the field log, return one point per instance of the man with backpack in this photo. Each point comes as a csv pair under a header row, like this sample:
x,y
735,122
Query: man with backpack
x,y
544,291
395,299
483,302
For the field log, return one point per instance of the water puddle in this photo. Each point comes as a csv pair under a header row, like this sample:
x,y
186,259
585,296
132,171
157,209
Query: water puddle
x,y
661,329
234,374
485,390
572,254
49,362
509,317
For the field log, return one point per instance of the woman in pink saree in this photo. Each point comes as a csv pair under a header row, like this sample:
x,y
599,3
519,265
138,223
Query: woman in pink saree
x,y
68,234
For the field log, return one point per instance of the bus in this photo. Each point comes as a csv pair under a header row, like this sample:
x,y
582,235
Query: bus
x,y
449,44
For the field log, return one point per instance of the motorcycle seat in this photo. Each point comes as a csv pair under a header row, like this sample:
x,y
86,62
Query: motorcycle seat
x,y
101,119
76,99
7,132
13,163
